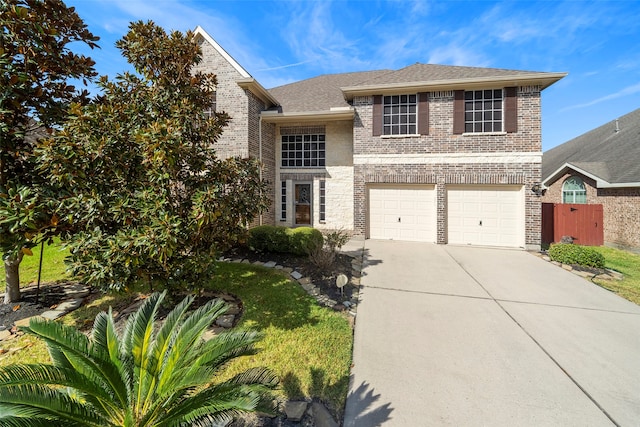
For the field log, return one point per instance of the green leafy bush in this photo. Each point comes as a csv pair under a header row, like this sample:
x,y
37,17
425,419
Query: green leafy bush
x,y
270,238
576,254
303,239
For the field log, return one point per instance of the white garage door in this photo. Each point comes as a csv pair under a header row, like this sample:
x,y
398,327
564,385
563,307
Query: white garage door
x,y
403,213
486,215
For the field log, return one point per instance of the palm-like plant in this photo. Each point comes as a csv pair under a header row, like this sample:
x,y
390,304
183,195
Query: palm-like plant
x,y
150,376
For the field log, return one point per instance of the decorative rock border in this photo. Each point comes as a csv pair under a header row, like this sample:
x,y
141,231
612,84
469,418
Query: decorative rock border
x,y
75,294
606,274
350,306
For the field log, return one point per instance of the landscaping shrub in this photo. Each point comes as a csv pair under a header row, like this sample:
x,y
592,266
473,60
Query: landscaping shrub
x,y
298,241
576,254
303,239
269,238
322,254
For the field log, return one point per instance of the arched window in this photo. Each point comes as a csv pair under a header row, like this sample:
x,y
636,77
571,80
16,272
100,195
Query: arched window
x,y
574,191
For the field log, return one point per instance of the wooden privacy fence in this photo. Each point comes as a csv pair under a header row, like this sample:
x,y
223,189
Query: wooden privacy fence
x,y
583,223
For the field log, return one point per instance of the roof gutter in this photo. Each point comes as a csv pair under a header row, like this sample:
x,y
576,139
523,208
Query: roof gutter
x,y
539,79
334,114
258,90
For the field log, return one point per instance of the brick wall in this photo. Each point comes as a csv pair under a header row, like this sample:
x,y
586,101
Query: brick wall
x,y
231,99
621,209
441,140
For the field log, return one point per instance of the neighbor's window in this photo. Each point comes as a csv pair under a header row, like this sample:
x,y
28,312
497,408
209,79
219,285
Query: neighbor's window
x,y
483,111
303,151
399,115
574,191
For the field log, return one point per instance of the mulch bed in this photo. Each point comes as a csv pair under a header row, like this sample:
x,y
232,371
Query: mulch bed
x,y
325,279
49,296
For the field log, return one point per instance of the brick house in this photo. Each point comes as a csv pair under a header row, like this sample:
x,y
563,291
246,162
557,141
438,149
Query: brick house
x,y
433,153
601,166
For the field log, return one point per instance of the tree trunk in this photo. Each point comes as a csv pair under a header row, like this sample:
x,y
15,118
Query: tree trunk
x,y
12,276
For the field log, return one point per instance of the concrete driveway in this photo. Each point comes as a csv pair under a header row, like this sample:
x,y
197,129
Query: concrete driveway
x,y
465,336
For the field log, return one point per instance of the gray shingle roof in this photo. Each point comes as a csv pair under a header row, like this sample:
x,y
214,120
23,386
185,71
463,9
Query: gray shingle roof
x,y
611,156
319,93
323,92
432,72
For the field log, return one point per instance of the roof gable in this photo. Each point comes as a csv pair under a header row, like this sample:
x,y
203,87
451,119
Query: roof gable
x,y
610,153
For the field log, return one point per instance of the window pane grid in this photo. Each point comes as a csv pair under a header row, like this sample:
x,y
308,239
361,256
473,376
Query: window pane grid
x,y
483,111
283,201
303,151
322,201
399,115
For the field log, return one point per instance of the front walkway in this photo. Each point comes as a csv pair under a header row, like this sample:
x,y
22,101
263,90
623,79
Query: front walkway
x,y
467,336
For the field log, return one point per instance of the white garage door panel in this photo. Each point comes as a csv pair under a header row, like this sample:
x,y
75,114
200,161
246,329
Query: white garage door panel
x,y
403,213
486,215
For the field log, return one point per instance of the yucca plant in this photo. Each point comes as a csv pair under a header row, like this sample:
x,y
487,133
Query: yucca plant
x,y
151,375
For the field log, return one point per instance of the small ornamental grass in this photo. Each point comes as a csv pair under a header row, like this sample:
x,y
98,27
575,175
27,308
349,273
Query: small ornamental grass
x,y
150,375
576,254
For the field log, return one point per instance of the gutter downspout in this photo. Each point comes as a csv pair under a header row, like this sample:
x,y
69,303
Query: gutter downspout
x,y
260,157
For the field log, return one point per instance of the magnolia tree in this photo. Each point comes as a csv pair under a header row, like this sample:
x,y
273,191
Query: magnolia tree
x,y
137,175
35,67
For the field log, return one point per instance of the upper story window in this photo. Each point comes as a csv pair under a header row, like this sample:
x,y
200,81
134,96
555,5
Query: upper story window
x,y
303,151
399,115
574,191
211,110
483,111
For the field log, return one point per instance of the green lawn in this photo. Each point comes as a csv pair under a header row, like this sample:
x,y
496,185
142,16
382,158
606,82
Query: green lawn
x,y
52,261
626,263
306,345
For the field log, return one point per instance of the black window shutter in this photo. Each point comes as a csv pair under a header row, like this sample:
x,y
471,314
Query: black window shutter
x,y
423,113
458,112
511,109
377,115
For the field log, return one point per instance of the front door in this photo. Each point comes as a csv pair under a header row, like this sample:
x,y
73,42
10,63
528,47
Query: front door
x,y
303,204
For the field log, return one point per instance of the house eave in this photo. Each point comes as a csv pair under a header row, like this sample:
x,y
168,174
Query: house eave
x,y
543,80
308,116
600,183
258,90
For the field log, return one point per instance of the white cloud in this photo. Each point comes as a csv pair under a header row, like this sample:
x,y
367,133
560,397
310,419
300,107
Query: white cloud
x,y
629,90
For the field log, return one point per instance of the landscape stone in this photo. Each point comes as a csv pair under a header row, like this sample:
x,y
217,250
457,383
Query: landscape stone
x,y
270,264
279,267
52,314
321,416
5,335
233,309
585,274
258,263
556,263
225,321
295,410
615,274
567,267
246,261
296,275
304,281
69,305
307,286
546,258
287,270
23,322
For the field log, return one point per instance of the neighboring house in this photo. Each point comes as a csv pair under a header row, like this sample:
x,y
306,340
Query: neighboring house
x,y
601,166
433,153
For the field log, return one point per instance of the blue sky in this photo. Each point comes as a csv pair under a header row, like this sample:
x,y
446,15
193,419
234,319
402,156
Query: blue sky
x,y
278,42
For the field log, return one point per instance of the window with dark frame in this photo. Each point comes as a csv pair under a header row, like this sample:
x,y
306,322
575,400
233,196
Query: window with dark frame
x,y
303,151
211,111
400,115
283,201
483,111
322,201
